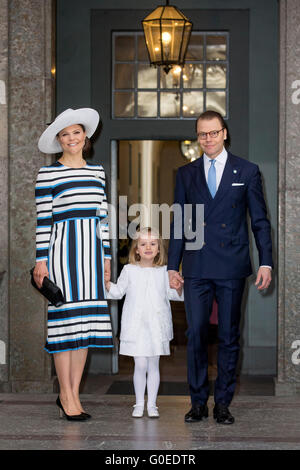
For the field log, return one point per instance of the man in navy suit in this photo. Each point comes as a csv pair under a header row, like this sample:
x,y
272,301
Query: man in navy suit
x,y
229,187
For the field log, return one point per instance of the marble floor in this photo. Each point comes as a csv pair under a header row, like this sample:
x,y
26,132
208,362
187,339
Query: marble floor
x,y
263,421
31,422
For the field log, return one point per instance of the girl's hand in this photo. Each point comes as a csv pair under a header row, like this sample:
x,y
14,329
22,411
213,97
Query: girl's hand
x,y
107,285
40,271
175,279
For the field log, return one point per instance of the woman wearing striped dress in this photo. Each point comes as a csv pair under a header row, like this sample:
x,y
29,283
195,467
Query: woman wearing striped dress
x,y
73,250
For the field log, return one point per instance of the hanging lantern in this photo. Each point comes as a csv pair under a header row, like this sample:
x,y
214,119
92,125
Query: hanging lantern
x,y
167,33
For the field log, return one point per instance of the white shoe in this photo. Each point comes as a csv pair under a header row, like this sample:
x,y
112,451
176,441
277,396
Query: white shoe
x,y
153,412
138,411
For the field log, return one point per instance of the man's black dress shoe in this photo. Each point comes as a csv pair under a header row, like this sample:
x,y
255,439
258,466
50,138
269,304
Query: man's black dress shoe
x,y
196,413
222,414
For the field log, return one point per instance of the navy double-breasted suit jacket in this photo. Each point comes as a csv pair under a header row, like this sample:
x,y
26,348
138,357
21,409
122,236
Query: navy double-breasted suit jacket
x,y
225,253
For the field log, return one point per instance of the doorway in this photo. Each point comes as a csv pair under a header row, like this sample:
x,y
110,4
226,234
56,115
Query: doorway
x,y
145,174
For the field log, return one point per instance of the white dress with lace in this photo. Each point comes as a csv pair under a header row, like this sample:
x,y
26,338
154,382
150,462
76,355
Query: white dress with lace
x,y
146,324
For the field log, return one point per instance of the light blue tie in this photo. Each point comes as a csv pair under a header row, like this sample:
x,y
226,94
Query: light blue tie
x,y
211,178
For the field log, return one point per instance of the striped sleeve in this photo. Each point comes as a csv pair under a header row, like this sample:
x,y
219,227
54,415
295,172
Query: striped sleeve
x,y
44,200
104,218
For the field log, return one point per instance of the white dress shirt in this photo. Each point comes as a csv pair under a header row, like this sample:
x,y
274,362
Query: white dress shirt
x,y
220,160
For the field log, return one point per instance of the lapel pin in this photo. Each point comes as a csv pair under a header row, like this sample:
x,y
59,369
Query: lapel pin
x,y
234,171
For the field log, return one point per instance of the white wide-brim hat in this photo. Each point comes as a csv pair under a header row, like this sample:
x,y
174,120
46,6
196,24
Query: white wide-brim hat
x,y
88,117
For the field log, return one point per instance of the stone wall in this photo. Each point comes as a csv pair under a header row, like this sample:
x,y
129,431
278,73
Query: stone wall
x,y
288,377
29,85
4,254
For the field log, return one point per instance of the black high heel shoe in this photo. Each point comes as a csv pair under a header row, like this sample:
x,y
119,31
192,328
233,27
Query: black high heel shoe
x,y
62,413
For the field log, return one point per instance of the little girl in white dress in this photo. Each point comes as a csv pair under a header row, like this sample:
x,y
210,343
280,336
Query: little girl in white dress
x,y
146,325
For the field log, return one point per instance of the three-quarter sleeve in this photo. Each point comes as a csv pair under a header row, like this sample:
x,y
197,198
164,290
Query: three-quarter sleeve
x,y
44,201
118,290
103,216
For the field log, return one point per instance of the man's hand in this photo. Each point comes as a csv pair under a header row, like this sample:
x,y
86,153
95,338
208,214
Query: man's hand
x,y
179,291
264,276
175,279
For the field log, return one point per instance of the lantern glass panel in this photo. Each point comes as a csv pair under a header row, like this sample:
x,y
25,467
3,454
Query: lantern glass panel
x,y
172,13
155,14
185,42
152,35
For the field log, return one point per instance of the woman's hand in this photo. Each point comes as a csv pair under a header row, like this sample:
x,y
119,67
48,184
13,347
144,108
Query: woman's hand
x,y
40,271
107,274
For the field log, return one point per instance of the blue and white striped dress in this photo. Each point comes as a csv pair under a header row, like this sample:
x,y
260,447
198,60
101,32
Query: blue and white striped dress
x,y
72,236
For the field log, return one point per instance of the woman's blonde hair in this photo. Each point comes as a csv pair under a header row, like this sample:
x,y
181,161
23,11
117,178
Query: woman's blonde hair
x,y
160,258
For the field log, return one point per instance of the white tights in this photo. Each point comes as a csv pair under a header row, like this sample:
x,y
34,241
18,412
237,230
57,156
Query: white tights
x,y
146,371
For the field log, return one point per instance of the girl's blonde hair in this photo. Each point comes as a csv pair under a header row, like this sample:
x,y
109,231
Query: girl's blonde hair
x,y
160,258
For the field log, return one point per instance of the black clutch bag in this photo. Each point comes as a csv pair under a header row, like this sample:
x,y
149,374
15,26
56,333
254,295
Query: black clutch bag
x,y
49,290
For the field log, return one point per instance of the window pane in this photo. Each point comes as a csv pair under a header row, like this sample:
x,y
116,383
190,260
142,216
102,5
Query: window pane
x,y
193,76
147,76
216,100
142,49
147,104
216,48
124,47
169,104
192,103
172,79
124,76
216,76
124,104
181,91
195,47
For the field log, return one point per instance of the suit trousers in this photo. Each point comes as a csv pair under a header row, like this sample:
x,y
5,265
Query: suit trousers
x,y
199,295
